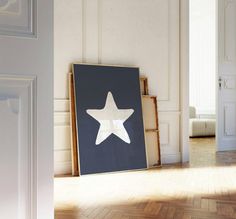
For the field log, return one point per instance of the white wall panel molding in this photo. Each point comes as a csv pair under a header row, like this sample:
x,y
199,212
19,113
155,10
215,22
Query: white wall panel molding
x,y
169,136
69,46
62,138
91,31
18,18
61,105
137,33
68,42
172,102
61,131
18,127
61,119
62,147
164,133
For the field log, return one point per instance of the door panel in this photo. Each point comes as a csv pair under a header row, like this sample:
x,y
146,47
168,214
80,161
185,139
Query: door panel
x,y
26,109
230,119
18,152
226,127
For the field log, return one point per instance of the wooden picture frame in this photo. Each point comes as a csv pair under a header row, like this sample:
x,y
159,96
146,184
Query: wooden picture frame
x,y
152,148
115,85
144,85
151,124
74,144
150,117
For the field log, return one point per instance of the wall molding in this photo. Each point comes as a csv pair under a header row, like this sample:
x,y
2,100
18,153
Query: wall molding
x,y
83,6
170,158
169,133
164,140
61,118
61,105
168,65
62,138
168,102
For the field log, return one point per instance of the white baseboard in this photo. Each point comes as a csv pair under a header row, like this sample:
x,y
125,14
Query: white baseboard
x,y
227,148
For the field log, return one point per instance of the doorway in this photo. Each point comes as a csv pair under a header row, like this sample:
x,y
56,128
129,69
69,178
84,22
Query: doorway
x,y
202,82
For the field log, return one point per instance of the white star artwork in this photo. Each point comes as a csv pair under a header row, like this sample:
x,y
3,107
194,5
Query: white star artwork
x,y
111,120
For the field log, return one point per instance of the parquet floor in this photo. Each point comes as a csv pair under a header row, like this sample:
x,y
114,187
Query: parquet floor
x,y
204,189
202,152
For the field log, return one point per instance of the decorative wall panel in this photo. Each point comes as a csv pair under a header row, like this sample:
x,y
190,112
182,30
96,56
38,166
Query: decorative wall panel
x,y
140,33
62,138
164,133
169,136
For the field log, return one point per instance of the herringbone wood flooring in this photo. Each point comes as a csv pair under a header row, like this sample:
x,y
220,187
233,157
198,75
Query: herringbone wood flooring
x,y
199,191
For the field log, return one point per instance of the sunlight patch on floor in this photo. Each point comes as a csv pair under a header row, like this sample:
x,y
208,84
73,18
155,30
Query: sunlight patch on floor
x,y
162,184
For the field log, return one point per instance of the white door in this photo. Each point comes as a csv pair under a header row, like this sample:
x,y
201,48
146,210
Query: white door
x,y
226,127
26,109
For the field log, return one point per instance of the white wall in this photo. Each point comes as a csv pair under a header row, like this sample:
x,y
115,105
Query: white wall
x,y
202,19
142,33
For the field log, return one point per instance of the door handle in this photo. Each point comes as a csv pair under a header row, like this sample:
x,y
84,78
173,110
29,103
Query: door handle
x,y
220,82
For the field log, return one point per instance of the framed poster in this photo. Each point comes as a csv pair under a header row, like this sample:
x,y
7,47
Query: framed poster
x,y
109,119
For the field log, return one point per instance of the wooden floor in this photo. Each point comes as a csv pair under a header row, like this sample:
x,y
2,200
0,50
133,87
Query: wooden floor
x,y
206,188
202,152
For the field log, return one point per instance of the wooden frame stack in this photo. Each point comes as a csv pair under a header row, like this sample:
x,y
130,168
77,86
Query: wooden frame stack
x,y
150,117
144,85
151,124
74,143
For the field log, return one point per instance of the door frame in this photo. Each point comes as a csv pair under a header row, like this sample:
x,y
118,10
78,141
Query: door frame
x,y
184,78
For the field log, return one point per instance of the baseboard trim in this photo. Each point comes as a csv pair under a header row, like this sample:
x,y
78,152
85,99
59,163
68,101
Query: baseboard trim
x,y
226,148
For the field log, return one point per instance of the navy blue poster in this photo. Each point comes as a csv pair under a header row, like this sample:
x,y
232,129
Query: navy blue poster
x,y
109,119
